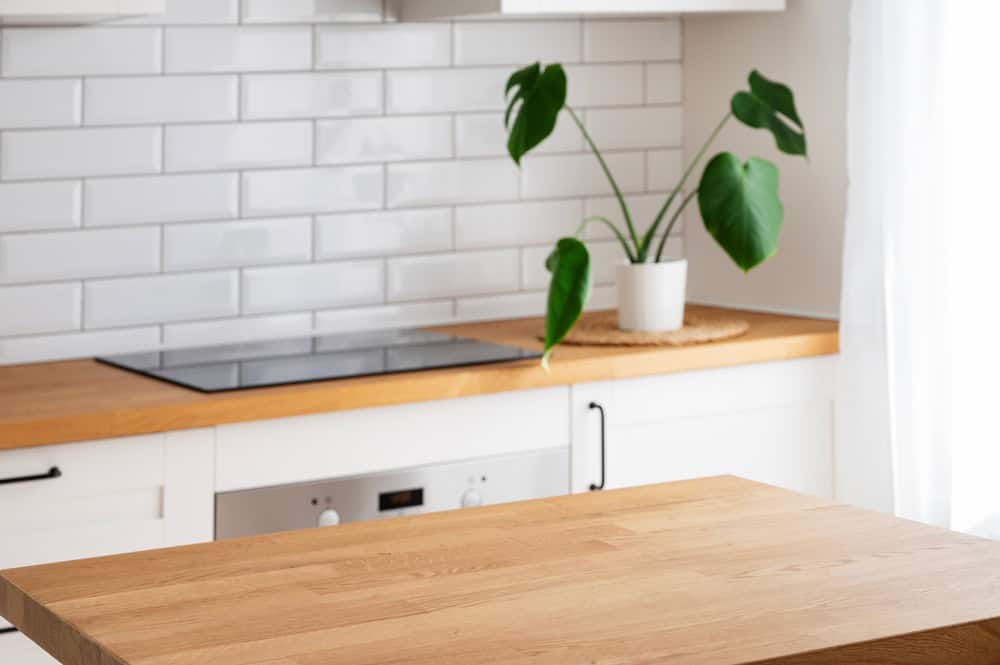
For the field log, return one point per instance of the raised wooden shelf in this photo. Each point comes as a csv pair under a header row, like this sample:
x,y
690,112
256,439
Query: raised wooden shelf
x,y
718,571
83,400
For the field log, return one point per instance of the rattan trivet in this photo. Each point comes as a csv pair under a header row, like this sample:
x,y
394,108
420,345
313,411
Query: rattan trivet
x,y
602,330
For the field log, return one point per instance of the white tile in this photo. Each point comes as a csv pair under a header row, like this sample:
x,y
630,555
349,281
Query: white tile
x,y
484,135
632,40
80,51
445,90
234,331
40,103
605,257
602,297
310,191
604,85
516,42
65,255
176,198
161,99
38,206
664,168
384,317
664,83
383,139
78,345
39,309
449,275
230,244
311,11
383,233
506,306
513,224
383,45
642,207
62,153
635,128
550,176
225,49
442,183
192,12
313,286
316,95
160,298
238,146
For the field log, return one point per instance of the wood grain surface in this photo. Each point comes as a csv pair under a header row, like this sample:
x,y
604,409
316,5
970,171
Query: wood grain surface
x,y
718,571
83,400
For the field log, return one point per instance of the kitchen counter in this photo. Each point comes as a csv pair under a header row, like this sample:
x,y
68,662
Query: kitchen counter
x,y
717,571
84,400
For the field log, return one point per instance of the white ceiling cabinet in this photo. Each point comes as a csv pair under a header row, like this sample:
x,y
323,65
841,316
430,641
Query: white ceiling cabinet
x,y
413,10
69,12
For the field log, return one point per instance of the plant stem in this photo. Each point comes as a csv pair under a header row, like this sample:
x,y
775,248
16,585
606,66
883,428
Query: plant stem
x,y
611,178
614,229
648,238
673,221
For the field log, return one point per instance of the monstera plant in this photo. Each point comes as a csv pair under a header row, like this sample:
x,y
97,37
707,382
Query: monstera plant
x,y
738,200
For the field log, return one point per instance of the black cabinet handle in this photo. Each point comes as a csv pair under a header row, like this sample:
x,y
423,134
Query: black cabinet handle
x,y
604,455
52,473
4,631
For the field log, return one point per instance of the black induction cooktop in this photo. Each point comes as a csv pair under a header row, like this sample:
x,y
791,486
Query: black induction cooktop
x,y
303,360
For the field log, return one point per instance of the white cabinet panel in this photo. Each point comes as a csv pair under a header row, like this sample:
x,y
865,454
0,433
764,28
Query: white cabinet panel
x,y
424,9
17,649
33,12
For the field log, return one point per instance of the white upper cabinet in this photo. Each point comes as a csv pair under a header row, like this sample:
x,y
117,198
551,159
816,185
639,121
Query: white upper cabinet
x,y
411,10
70,12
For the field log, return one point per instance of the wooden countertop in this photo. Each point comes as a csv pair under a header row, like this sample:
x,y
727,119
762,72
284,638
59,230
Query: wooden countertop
x,y
718,571
83,400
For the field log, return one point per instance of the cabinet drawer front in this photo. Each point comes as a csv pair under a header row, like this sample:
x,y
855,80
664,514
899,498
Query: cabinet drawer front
x,y
17,649
348,443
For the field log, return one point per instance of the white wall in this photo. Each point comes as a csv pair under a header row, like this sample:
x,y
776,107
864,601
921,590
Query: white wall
x,y
806,47
244,169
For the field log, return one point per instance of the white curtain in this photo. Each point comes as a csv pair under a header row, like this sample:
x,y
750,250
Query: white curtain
x,y
918,410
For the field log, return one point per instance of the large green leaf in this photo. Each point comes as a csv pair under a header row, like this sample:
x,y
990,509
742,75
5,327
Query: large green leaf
x,y
740,207
770,105
569,291
539,96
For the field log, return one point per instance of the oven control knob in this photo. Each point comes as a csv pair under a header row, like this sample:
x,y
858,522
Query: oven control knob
x,y
471,499
329,517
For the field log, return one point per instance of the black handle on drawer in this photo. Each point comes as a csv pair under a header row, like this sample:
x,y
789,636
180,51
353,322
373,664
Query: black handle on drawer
x,y
604,457
4,631
54,472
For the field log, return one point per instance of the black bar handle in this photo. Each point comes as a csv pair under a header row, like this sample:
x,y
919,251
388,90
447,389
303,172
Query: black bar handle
x,y
52,473
604,452
4,631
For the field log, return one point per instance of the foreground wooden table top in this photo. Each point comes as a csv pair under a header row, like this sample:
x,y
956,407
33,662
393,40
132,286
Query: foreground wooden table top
x,y
719,571
82,400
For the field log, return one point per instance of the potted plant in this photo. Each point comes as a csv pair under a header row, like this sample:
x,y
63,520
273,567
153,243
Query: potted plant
x,y
738,201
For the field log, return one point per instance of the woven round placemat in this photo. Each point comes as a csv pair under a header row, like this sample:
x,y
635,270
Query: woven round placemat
x,y
602,330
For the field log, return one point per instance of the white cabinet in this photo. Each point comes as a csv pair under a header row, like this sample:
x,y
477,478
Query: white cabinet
x,y
425,9
770,422
33,12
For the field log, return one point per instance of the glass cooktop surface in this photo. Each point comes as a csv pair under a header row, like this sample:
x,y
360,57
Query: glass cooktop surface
x,y
301,360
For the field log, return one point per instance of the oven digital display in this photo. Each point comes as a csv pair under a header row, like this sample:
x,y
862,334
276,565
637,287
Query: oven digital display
x,y
401,499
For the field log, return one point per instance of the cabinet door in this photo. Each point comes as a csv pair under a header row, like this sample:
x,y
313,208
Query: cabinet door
x,y
17,649
770,422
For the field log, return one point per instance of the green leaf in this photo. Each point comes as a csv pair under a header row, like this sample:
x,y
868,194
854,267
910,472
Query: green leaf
x,y
770,105
569,291
539,96
740,207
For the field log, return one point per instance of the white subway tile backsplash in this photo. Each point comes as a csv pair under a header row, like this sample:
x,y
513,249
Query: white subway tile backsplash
x,y
450,275
664,83
161,99
39,309
664,168
550,176
130,301
605,257
232,244
634,128
67,255
505,306
236,49
516,42
447,90
605,85
443,183
39,103
383,233
220,147
39,206
312,191
383,317
484,135
158,199
80,51
314,95
642,207
515,224
234,331
193,12
66,153
78,344
388,139
632,40
383,45
314,286
311,11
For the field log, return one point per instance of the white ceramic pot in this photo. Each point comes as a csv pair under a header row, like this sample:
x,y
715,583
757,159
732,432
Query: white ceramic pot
x,y
651,296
